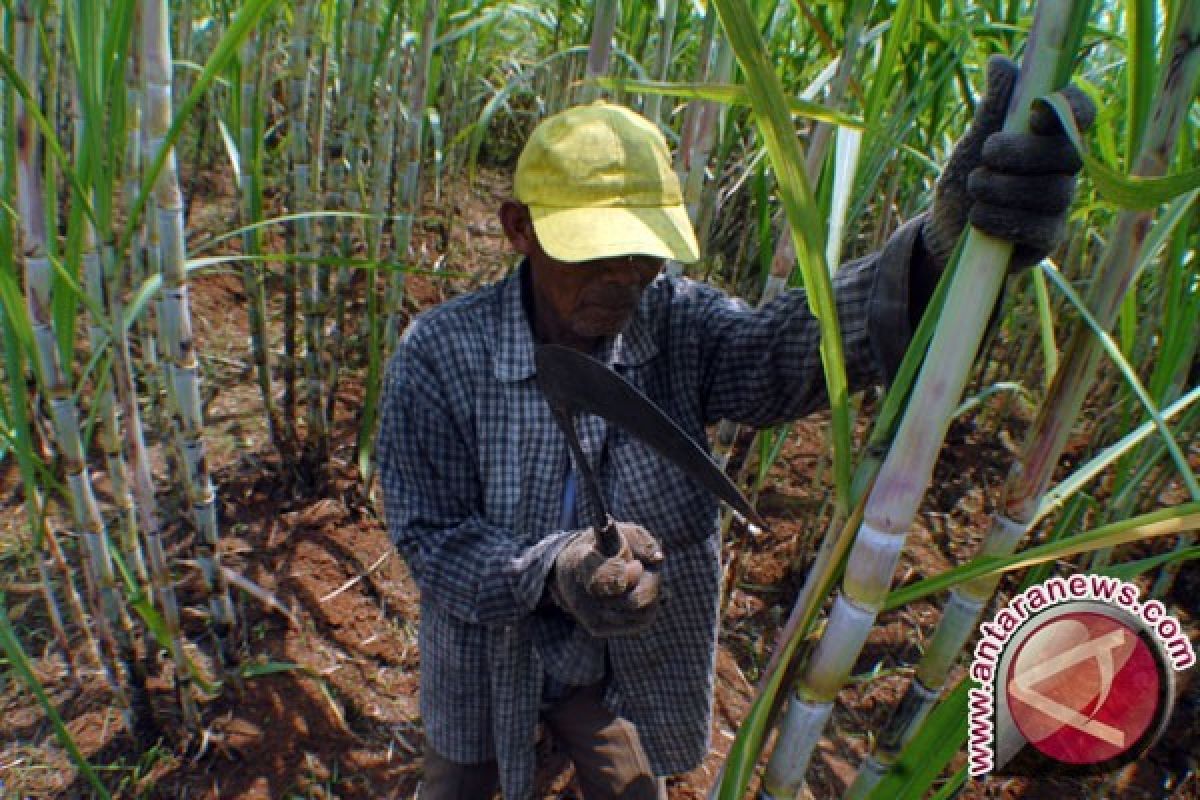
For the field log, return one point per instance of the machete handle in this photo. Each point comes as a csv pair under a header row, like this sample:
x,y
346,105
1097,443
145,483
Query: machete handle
x,y
609,542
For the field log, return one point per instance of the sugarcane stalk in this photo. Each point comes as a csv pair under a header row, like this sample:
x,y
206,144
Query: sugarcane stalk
x,y
410,189
53,80
110,436
353,104
376,296
702,139
704,58
662,57
146,253
300,231
604,25
88,523
907,469
334,227
181,355
150,522
138,273
250,147
314,299
46,581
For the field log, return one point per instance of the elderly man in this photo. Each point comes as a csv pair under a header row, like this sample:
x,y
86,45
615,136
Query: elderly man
x,y
522,620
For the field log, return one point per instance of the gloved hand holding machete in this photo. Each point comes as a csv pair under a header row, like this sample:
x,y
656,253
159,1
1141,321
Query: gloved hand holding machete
x,y
607,575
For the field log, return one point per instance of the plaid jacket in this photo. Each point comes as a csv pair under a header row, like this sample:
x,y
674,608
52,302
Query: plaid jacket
x,y
472,468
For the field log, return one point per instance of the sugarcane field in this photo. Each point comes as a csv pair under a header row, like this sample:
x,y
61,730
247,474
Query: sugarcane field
x,y
702,400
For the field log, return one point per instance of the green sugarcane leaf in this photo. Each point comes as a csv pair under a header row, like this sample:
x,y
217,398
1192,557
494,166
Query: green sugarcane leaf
x,y
1045,326
473,25
18,315
231,151
1131,569
1141,68
1073,483
730,95
952,786
1126,191
1130,376
879,95
78,293
284,219
272,668
1164,522
20,663
975,401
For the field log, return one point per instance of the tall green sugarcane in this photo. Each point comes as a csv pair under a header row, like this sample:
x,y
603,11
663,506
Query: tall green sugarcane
x,y
95,284
99,580
906,470
700,124
353,153
410,176
668,11
300,230
250,167
389,100
314,295
150,521
337,171
152,560
604,25
370,87
176,333
149,369
1030,475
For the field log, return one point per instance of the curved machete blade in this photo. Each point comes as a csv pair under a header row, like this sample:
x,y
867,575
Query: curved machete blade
x,y
577,382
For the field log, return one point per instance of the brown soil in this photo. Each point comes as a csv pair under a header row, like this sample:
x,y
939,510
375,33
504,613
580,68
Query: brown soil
x,y
334,713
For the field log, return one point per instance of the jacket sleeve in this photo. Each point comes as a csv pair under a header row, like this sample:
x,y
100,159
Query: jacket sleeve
x,y
763,366
428,467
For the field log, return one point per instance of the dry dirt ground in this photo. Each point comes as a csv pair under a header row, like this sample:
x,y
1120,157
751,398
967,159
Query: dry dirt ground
x,y
344,721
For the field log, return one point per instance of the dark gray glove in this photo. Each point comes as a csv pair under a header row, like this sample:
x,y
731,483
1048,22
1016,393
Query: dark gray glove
x,y
1014,186
609,596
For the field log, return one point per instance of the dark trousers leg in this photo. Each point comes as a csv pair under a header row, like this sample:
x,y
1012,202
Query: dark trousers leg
x,y
609,761
446,780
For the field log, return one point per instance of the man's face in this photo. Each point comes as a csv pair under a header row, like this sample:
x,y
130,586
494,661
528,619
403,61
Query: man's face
x,y
578,303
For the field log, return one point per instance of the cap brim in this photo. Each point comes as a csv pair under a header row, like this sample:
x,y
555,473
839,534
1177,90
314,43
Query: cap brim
x,y
583,234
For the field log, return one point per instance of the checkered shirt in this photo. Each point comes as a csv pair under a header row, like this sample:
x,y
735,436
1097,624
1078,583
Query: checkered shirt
x,y
472,466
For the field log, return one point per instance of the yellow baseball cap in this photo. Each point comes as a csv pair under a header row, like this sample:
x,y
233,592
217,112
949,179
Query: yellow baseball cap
x,y
598,183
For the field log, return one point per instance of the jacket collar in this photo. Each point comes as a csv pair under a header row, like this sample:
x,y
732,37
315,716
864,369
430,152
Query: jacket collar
x,y
513,360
